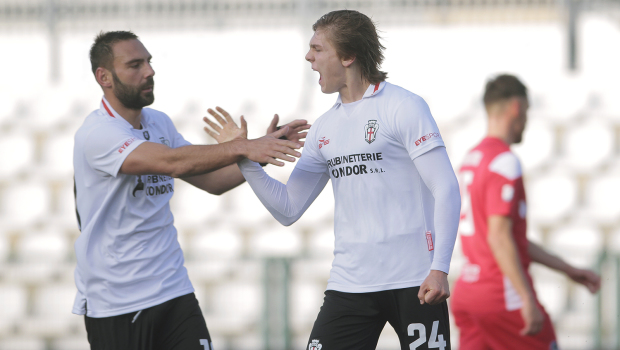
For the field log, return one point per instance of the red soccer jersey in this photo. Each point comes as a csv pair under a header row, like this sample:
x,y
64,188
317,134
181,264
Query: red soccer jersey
x,y
491,184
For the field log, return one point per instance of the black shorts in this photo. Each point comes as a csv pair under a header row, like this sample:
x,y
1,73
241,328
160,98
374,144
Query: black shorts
x,y
355,321
177,324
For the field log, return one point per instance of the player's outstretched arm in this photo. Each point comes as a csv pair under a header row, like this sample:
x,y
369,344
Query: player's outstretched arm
x,y
588,278
437,173
296,132
505,252
224,129
159,159
285,202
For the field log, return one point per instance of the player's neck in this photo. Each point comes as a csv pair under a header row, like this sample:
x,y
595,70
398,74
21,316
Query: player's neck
x,y
132,116
499,128
355,87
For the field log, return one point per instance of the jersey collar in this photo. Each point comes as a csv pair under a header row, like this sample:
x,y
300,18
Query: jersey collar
x,y
107,109
372,90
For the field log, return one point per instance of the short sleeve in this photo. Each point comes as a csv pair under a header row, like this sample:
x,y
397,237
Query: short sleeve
x,y
415,127
177,139
108,146
504,175
311,159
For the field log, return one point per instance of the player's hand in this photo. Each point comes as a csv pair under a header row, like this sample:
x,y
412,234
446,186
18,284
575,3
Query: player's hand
x,y
295,129
269,147
435,288
227,129
588,278
532,317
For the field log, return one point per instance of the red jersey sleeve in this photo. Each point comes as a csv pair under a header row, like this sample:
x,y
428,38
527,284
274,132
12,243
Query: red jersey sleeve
x,y
504,175
500,196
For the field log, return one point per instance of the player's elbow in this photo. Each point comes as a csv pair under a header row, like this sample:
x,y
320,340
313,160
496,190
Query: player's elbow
x,y
287,220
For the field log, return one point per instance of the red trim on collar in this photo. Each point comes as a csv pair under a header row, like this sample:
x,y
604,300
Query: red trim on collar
x,y
376,87
107,109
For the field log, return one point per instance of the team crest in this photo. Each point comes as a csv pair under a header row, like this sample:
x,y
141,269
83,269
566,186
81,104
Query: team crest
x,y
146,135
315,345
371,131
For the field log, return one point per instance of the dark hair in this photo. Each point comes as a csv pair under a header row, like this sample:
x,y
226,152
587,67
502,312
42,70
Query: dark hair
x,y
502,88
353,34
101,54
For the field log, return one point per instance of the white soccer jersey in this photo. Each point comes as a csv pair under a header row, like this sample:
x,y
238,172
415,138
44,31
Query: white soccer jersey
x,y
128,255
383,209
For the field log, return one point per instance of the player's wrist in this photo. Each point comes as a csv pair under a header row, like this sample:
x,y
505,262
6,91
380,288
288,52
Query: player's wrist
x,y
241,147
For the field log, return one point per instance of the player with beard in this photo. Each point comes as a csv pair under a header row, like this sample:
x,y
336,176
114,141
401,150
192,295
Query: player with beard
x,y
132,286
494,303
397,199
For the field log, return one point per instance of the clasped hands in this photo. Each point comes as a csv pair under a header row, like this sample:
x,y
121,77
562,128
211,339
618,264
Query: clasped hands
x,y
266,149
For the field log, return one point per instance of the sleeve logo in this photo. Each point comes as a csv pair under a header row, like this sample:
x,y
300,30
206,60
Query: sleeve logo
x,y
125,144
371,131
323,142
427,137
429,241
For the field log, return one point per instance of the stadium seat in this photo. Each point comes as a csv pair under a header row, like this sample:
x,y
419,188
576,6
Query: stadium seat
x,y
52,315
9,102
246,341
321,242
234,307
22,343
564,96
551,289
18,153
577,243
321,211
38,272
215,242
588,145
192,206
601,197
13,307
306,300
208,271
275,241
47,246
50,106
550,196
24,204
245,208
58,155
538,144
313,269
63,214
462,137
5,247
71,343
575,330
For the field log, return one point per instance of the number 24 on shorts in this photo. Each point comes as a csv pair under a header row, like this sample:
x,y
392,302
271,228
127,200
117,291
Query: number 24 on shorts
x,y
435,342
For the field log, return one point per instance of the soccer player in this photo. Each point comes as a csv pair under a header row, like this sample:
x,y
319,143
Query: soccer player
x,y
397,198
494,304
132,286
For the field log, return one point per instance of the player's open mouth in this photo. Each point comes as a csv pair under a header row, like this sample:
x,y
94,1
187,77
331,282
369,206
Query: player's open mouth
x,y
148,89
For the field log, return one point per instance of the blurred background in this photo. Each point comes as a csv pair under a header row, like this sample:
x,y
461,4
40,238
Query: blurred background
x,y
260,285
